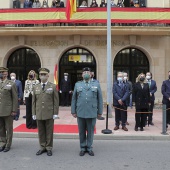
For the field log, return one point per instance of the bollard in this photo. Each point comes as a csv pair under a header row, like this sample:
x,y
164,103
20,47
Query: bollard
x,y
107,131
164,124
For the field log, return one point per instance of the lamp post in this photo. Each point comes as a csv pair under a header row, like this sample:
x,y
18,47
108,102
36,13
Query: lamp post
x,y
109,58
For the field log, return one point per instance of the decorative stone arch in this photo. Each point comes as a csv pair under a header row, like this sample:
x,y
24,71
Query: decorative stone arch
x,y
14,48
142,50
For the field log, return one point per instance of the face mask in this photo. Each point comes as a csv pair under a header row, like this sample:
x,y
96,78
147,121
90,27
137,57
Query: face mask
x,y
86,76
12,77
31,76
142,79
119,79
148,77
65,77
43,78
1,76
125,78
93,1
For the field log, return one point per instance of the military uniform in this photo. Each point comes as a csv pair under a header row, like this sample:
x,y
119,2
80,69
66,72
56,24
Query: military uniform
x,y
8,104
87,103
45,104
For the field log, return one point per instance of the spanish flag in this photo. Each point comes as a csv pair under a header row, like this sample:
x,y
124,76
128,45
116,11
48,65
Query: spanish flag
x,y
71,8
56,76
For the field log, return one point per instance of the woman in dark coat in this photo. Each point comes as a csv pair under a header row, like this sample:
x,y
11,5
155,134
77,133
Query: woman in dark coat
x,y
142,99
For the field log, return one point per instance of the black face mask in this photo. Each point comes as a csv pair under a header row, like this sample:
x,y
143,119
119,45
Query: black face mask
x,y
142,79
169,76
30,76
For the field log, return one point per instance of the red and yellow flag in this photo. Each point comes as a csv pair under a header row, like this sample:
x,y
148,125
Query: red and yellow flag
x,y
56,76
71,8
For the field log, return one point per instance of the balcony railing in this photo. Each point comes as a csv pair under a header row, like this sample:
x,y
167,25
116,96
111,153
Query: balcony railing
x,y
86,16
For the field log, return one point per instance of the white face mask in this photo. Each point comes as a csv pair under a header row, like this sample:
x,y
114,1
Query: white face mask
x,y
12,77
65,77
43,78
119,79
125,78
148,77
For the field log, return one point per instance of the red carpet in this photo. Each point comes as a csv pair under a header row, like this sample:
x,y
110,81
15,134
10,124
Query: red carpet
x,y
57,129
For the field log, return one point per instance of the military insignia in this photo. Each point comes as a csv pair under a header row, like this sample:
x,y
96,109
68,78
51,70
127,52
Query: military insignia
x,y
8,85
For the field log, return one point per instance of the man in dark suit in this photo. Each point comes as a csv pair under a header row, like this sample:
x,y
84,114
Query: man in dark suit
x,y
65,90
129,85
120,95
152,90
166,96
20,93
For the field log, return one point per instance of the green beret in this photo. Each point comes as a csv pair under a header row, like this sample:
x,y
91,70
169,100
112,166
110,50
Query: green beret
x,y
44,70
3,69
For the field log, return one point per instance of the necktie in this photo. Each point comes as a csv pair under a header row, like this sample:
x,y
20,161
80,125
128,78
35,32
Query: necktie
x,y
43,86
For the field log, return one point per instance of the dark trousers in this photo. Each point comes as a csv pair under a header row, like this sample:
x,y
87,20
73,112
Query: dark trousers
x,y
45,133
18,111
140,118
168,113
30,123
120,115
65,98
84,125
150,115
6,131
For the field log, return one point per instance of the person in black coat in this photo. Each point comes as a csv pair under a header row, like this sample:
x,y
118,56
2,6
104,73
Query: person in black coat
x,y
166,96
152,89
65,90
129,85
142,100
120,94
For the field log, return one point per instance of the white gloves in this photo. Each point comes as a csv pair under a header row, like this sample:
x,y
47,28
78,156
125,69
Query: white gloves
x,y
55,117
34,117
60,91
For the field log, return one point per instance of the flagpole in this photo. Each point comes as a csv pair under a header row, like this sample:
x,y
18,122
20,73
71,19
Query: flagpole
x,y
109,60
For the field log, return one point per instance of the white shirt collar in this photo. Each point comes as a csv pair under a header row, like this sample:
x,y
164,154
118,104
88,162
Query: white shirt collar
x,y
44,83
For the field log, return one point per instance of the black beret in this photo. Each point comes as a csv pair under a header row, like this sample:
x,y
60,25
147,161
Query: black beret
x,y
86,69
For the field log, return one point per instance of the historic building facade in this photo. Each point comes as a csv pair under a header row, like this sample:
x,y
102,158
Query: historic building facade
x,y
134,50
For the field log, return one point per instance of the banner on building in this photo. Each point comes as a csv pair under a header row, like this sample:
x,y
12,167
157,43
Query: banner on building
x,y
80,58
84,15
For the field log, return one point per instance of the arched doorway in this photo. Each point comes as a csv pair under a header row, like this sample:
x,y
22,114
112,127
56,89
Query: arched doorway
x,y
131,60
22,61
72,62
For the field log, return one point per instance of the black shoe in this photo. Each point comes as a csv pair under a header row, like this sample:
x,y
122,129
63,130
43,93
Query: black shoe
x,y
100,118
40,152
136,128
151,123
24,117
16,118
34,127
49,153
141,129
91,153
6,149
82,153
2,148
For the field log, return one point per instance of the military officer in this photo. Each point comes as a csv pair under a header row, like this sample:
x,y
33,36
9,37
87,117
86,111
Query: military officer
x,y
86,106
45,104
8,109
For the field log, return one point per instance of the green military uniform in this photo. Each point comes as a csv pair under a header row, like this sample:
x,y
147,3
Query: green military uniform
x,y
45,104
8,104
87,103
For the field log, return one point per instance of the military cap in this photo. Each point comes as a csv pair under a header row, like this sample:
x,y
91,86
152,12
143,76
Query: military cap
x,y
3,69
44,70
66,74
86,69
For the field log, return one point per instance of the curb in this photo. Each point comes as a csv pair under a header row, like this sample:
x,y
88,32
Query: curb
x,y
97,137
